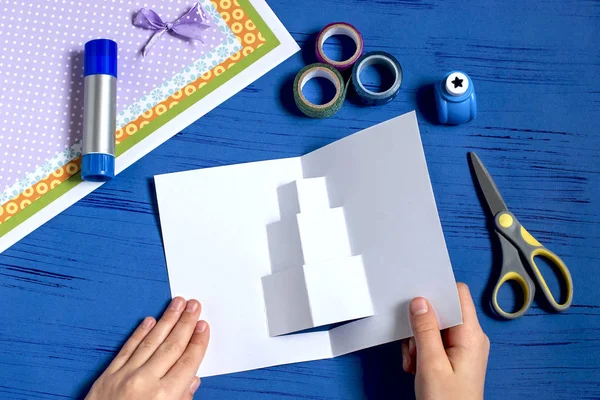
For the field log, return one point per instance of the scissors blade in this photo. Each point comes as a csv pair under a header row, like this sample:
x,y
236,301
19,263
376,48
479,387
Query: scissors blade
x,y
487,185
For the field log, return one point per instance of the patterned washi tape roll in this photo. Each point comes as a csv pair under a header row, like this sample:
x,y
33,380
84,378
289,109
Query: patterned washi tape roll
x,y
366,96
319,70
339,28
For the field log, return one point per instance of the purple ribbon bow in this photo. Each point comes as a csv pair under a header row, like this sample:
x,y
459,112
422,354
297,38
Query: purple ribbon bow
x,y
191,25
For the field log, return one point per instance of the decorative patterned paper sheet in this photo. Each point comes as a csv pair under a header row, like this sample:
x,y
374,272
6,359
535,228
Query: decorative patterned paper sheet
x,y
41,76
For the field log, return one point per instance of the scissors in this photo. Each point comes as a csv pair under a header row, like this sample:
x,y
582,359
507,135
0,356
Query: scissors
x,y
519,249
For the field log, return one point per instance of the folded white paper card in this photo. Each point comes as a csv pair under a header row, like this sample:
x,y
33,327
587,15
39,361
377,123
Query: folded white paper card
x,y
347,232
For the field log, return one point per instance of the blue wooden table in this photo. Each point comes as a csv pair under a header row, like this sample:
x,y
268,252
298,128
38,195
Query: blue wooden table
x,y
536,67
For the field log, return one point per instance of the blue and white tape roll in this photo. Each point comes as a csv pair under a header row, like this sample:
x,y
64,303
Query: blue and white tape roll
x,y
386,60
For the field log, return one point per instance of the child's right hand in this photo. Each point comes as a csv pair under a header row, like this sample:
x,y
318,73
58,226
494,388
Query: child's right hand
x,y
453,368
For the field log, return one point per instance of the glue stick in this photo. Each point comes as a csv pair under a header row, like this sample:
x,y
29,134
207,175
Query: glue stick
x,y
99,110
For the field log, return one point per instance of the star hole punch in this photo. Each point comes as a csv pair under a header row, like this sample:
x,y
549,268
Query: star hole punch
x,y
455,99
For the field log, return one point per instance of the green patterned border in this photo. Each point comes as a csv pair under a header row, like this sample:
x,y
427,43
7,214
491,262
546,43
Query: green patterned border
x,y
271,42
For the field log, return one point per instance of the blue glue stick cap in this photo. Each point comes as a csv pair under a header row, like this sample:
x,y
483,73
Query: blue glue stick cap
x,y
97,167
100,57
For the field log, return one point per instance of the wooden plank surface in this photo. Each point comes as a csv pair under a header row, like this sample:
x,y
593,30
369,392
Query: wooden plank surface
x,y
536,68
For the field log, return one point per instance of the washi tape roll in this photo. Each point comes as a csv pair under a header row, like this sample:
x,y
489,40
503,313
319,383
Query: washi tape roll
x,y
388,61
339,28
319,70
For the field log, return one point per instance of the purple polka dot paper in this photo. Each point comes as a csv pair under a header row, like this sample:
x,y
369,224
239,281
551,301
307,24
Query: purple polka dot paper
x,y
41,71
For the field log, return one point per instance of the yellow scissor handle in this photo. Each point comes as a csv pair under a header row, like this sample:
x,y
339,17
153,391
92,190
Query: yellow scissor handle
x,y
513,270
564,271
509,227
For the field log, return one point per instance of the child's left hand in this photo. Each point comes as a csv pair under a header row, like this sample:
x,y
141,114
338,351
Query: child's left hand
x,y
160,359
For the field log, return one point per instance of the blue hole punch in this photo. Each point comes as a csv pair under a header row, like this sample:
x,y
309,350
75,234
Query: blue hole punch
x,y
455,99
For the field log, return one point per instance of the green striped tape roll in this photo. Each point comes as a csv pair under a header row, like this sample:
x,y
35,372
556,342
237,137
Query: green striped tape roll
x,y
319,70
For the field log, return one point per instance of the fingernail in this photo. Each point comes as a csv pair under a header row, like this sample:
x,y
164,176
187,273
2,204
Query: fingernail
x,y
195,385
148,321
191,306
418,306
177,304
411,346
200,326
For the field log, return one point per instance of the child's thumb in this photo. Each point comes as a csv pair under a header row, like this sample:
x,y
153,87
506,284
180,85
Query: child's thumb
x,y
430,349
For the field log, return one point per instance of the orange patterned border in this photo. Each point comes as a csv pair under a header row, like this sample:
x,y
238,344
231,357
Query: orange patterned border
x,y
251,39
33,193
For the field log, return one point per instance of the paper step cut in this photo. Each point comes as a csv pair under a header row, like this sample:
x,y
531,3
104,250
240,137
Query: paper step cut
x,y
316,279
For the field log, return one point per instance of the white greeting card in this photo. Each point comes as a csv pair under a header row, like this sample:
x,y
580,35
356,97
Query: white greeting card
x,y
274,246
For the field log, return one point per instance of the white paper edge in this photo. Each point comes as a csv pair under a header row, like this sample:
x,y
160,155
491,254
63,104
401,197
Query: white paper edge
x,y
286,49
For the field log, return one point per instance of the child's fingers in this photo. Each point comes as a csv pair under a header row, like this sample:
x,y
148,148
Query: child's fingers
x,y
431,355
467,306
175,344
131,345
158,334
186,367
405,356
412,352
189,394
462,335
409,355
467,344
